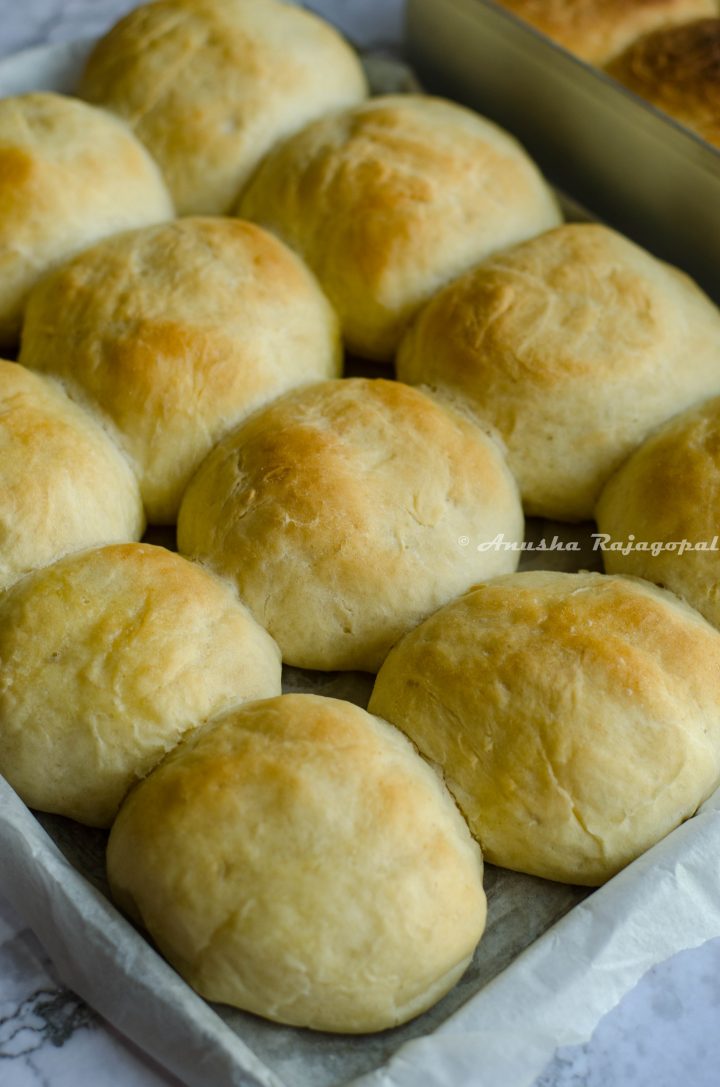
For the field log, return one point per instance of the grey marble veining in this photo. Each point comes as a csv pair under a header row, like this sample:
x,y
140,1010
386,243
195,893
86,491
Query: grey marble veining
x,y
665,1032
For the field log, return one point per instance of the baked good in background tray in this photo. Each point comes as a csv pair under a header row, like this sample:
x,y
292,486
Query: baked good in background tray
x,y
574,346
666,497
210,86
678,70
597,30
69,174
344,511
298,859
337,512
108,658
574,716
171,335
389,200
666,51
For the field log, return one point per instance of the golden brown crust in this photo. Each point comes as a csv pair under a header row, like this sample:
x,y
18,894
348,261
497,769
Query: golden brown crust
x,y
64,485
297,859
69,174
667,492
340,511
678,70
574,345
597,30
173,334
390,200
107,659
210,86
575,716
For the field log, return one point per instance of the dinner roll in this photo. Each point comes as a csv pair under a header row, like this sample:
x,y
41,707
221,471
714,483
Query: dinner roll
x,y
389,200
63,484
574,345
347,512
663,509
69,174
596,30
107,659
297,859
174,333
210,86
678,70
576,717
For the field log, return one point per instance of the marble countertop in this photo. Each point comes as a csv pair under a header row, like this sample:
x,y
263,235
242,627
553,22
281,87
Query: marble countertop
x,y
666,1031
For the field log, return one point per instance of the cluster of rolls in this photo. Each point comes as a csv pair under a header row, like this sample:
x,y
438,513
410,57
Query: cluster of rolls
x,y
666,51
297,856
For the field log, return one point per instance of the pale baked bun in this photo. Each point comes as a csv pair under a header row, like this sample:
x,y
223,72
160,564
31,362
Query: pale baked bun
x,y
107,659
666,493
69,174
64,485
210,86
576,717
388,201
597,30
678,70
341,511
574,346
297,859
173,334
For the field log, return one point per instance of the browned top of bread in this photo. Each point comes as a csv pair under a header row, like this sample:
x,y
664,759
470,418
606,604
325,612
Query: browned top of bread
x,y
678,70
597,30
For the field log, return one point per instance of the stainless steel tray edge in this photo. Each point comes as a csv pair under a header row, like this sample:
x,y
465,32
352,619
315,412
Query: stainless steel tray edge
x,y
629,164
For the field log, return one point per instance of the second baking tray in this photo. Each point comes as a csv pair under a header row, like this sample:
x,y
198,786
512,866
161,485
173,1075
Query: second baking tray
x,y
632,166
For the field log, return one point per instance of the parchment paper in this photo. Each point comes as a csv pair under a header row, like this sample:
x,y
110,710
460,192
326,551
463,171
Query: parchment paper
x,y
542,976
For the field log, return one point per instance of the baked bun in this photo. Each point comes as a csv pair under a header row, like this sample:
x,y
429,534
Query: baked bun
x,y
678,70
663,509
210,86
64,486
575,716
596,30
297,859
69,174
341,510
388,201
173,334
574,346
107,659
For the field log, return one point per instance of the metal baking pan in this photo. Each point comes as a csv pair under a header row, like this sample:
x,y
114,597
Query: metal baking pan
x,y
628,163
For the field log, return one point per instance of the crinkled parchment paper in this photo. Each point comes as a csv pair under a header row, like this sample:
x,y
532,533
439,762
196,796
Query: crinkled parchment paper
x,y
553,961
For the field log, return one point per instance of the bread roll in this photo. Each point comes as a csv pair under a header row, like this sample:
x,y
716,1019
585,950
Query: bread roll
x,y
574,345
173,334
297,859
69,174
388,201
677,69
107,659
597,30
347,512
64,486
576,717
210,86
663,509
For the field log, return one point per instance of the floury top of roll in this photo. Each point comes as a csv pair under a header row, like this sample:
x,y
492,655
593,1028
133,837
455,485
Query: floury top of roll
x,y
171,335
574,345
69,174
388,201
339,511
209,86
